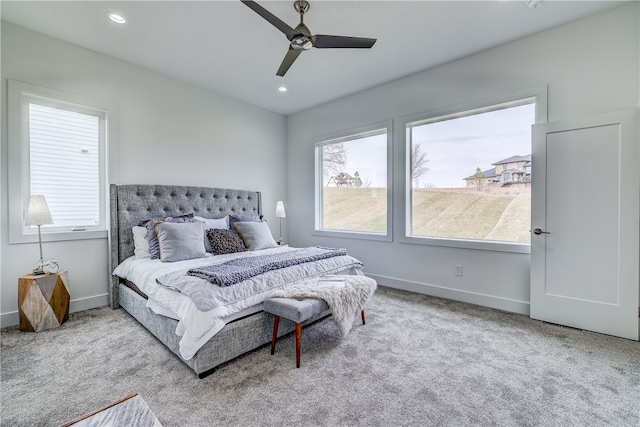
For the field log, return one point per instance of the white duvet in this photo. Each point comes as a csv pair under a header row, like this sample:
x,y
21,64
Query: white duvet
x,y
196,327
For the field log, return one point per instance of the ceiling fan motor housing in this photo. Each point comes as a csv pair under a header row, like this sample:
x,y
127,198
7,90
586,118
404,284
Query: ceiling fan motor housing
x,y
303,40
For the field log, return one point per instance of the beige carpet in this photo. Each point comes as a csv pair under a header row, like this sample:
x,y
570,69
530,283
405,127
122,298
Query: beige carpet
x,y
418,361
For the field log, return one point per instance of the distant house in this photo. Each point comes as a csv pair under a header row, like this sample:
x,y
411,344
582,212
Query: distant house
x,y
487,177
515,170
343,179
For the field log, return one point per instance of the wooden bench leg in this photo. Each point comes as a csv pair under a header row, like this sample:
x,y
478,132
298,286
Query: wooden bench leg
x,y
363,321
276,321
298,343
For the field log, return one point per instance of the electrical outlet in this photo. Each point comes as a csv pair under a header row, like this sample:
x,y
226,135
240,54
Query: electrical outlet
x,y
457,270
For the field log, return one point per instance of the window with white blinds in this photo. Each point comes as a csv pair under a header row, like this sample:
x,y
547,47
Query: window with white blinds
x,y
64,148
59,145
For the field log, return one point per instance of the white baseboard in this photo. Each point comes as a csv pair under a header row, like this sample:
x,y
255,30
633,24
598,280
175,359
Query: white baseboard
x,y
81,304
492,301
89,302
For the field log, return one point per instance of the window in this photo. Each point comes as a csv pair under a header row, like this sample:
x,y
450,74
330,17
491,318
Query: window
x,y
352,183
65,163
58,148
468,176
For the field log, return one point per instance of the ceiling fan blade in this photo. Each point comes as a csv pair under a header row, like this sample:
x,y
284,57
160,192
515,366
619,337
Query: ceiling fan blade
x,y
273,20
322,42
291,56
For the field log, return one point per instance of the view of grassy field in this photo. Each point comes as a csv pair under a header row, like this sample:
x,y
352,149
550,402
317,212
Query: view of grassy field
x,y
356,209
492,214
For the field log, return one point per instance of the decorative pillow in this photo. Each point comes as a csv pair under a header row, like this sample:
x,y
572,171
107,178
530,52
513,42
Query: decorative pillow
x,y
152,237
140,242
222,223
256,235
179,241
224,241
244,218
209,223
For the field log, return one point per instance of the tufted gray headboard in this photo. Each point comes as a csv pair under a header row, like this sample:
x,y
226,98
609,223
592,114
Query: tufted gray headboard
x,y
131,204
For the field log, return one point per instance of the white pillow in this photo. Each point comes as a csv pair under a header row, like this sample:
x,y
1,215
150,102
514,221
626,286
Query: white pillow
x,y
209,223
256,235
180,241
140,242
219,223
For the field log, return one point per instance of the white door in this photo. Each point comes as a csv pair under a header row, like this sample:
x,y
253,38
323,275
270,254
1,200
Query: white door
x,y
585,223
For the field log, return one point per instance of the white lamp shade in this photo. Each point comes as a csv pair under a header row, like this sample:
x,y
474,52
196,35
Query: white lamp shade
x,y
280,210
38,211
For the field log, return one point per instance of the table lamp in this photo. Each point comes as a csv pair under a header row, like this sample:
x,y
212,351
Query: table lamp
x,y
280,214
38,214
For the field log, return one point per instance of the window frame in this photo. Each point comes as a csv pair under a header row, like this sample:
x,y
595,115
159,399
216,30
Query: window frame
x,y
537,94
19,95
344,136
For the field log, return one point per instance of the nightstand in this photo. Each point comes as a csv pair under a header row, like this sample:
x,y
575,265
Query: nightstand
x,y
43,301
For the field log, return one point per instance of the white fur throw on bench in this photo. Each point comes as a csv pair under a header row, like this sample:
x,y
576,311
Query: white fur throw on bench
x,y
345,302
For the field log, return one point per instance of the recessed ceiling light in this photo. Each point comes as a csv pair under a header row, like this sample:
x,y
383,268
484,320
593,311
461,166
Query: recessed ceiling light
x,y
282,89
117,18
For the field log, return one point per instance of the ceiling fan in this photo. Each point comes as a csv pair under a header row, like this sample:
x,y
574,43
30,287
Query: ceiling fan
x,y
301,38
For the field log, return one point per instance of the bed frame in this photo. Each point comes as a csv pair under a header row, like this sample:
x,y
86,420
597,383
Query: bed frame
x,y
132,203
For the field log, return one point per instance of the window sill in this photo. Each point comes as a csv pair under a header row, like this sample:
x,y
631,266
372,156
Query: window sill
x,y
353,235
16,238
483,245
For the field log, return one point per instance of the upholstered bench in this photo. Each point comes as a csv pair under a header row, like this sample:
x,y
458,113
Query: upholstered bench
x,y
301,310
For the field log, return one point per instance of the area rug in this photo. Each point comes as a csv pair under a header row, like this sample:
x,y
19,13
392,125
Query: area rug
x,y
419,361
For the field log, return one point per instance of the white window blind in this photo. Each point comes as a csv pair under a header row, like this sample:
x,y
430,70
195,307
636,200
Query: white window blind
x,y
64,148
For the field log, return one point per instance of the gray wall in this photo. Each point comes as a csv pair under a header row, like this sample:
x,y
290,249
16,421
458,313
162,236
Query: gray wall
x,y
169,132
590,66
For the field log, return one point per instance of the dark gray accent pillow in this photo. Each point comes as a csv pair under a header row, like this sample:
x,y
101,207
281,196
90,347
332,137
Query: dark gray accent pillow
x,y
219,223
224,241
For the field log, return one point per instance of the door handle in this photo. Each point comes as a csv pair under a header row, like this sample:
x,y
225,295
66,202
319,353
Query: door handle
x,y
539,231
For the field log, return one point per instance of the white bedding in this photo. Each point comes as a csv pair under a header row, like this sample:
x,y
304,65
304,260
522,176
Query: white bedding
x,y
195,327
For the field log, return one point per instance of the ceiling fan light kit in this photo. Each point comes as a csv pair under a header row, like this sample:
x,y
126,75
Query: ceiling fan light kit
x,y
301,39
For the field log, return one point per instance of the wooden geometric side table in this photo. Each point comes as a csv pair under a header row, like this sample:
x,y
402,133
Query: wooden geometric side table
x,y
43,301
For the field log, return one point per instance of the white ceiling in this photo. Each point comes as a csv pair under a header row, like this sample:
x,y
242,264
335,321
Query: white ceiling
x,y
227,47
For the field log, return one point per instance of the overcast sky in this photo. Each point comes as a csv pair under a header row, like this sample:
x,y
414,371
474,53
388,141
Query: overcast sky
x,y
368,156
455,148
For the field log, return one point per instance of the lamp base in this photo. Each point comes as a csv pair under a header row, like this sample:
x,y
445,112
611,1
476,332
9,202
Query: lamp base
x,y
39,269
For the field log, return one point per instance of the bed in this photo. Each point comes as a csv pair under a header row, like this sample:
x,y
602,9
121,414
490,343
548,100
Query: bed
x,y
245,330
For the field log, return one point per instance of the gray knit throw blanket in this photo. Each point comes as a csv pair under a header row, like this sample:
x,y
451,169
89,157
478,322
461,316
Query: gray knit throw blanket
x,y
345,302
237,270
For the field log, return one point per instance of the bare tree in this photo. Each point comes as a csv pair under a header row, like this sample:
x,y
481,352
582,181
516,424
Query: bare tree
x,y
479,179
333,159
418,163
357,181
